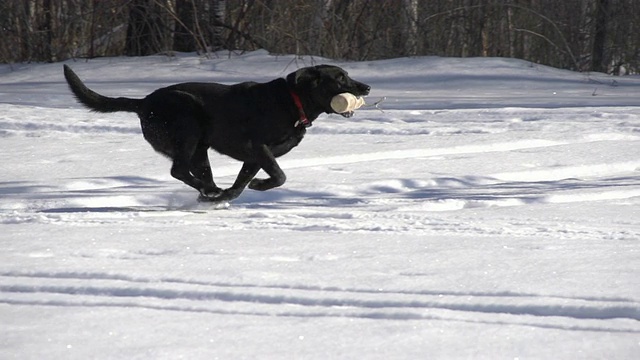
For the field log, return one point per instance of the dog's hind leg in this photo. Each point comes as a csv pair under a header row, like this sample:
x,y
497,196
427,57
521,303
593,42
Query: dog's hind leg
x,y
201,169
180,171
185,146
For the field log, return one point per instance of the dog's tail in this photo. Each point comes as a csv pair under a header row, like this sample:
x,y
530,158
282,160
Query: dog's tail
x,y
95,101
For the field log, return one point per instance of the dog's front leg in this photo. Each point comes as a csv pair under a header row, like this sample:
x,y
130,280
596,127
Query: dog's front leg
x,y
248,171
267,162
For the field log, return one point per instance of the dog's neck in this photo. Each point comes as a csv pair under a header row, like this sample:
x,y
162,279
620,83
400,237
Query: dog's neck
x,y
303,120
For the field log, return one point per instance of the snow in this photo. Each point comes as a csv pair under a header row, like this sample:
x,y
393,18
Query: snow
x,y
491,211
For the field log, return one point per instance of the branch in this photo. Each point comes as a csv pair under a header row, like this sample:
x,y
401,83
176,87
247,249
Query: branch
x,y
555,26
175,17
540,36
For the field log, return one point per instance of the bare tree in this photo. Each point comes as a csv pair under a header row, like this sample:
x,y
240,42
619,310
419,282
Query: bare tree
x,y
150,27
599,38
184,39
219,14
585,35
411,25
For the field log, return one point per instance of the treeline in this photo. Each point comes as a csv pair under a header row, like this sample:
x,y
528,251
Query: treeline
x,y
583,35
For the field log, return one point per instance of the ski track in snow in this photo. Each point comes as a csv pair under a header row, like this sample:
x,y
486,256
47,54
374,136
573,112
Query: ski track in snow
x,y
108,290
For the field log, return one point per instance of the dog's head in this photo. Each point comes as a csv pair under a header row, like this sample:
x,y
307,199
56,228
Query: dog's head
x,y
319,84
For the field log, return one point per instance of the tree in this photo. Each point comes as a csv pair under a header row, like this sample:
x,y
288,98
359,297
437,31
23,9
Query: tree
x,y
585,35
184,39
597,62
149,28
219,13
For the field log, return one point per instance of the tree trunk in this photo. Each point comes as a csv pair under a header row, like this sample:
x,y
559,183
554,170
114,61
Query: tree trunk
x,y
147,31
47,29
511,32
183,39
317,27
598,63
411,19
217,29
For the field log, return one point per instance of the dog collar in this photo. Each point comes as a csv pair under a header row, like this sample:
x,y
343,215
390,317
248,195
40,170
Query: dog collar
x,y
303,120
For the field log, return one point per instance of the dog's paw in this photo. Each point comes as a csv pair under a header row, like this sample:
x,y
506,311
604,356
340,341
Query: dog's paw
x,y
259,185
224,195
265,184
210,191
211,194
215,201
208,198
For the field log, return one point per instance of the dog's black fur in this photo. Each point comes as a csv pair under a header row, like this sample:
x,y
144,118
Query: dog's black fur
x,y
251,122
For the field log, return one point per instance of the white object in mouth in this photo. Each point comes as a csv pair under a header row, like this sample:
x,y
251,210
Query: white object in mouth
x,y
346,102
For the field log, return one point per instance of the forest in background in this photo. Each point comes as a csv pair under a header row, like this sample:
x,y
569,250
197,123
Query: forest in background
x,y
582,35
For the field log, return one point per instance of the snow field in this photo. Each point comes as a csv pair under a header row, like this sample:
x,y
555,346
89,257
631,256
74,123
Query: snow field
x,y
491,211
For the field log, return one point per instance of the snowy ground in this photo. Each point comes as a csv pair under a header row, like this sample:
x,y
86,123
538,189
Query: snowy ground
x,y
492,211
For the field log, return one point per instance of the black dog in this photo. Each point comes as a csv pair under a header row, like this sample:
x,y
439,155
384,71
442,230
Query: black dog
x,y
251,122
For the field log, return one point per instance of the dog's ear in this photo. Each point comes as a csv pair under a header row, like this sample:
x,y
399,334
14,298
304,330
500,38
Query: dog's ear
x,y
304,76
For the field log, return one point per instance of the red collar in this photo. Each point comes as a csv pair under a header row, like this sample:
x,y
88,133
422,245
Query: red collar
x,y
303,120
